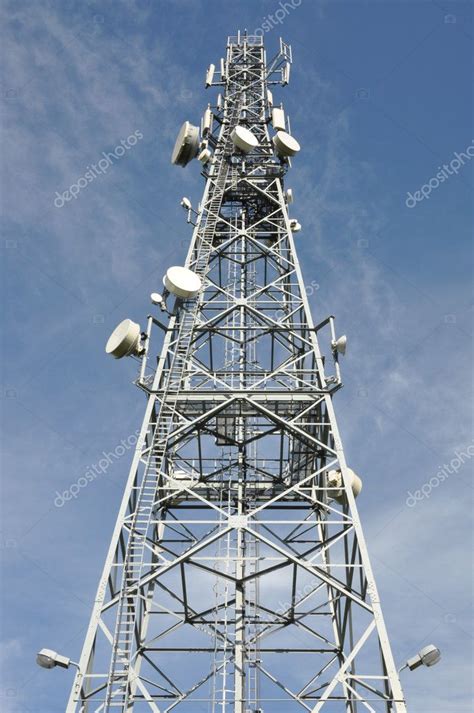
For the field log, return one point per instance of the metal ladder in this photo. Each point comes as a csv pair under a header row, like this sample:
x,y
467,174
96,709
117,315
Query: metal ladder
x,y
252,549
121,674
252,597
221,690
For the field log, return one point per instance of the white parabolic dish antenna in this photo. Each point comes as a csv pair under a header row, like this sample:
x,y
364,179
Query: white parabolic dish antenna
x,y
156,298
186,146
124,340
182,282
243,139
285,144
335,481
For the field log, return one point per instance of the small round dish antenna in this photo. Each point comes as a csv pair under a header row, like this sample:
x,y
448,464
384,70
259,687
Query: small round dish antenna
x,y
186,146
124,340
295,225
182,282
335,481
244,139
340,345
156,298
285,144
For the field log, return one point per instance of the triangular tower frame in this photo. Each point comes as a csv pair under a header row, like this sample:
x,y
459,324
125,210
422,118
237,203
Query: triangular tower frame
x,y
237,577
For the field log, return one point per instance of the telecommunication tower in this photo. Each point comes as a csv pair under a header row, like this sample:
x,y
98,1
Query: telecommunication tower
x,y
237,579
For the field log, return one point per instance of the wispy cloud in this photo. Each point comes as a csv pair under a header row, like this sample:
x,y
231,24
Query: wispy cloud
x,y
80,77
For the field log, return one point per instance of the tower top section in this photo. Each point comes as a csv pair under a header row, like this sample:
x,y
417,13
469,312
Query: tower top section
x,y
278,68
237,125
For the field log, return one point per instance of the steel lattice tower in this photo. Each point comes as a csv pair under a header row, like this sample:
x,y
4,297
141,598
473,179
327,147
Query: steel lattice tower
x,y
237,579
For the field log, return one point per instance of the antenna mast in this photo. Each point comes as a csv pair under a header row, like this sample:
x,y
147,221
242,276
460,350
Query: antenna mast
x,y
237,579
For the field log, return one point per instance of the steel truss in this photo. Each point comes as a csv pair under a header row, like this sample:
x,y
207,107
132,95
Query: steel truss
x,y
234,582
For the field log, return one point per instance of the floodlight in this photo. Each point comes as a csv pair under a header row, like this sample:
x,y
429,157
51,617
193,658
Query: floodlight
x,y
428,656
47,658
340,345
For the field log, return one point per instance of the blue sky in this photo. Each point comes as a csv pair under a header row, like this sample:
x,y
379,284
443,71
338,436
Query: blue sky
x,y
380,96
